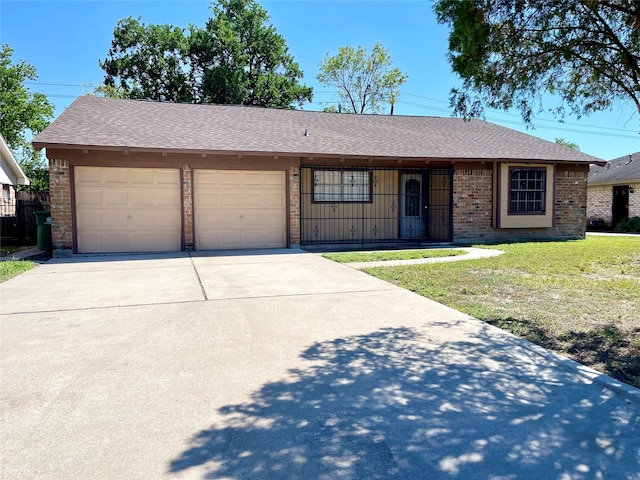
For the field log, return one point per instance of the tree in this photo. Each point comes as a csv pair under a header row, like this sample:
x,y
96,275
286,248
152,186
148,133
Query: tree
x,y
566,143
237,58
511,53
148,61
241,59
364,81
23,114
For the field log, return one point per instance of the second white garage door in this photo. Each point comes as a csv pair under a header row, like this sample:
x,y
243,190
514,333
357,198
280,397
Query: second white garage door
x,y
239,209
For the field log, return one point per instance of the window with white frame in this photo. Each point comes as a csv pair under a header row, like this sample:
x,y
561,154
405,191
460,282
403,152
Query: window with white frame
x,y
527,191
341,186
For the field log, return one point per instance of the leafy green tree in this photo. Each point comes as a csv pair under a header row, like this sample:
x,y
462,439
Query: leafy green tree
x,y
148,61
566,143
365,81
241,59
510,53
337,109
23,114
237,58
108,91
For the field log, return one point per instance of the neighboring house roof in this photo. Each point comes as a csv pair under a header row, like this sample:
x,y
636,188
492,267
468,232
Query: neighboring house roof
x,y
10,173
619,170
149,125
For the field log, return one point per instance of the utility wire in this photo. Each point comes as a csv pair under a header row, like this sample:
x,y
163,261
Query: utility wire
x,y
428,107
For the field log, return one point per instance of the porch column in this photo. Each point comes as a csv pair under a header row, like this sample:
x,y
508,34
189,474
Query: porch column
x,y
294,207
60,195
187,206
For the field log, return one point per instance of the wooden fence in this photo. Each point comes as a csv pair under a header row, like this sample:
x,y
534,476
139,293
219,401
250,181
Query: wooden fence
x,y
17,221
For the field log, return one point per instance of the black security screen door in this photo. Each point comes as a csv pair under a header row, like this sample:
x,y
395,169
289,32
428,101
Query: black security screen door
x,y
384,205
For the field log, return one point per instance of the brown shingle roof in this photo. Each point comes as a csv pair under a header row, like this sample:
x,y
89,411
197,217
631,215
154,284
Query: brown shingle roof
x,y
618,170
138,124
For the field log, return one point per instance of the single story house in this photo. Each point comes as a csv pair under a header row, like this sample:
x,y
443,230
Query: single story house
x,y
11,175
613,191
142,176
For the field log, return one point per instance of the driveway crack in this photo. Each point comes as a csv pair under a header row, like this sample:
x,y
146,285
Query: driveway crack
x,y
204,292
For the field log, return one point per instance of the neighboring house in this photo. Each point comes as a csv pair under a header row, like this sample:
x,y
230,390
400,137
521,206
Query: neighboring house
x,y
613,191
140,176
11,175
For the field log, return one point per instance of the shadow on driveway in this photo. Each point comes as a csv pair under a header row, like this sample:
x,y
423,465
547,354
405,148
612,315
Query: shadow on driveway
x,y
395,404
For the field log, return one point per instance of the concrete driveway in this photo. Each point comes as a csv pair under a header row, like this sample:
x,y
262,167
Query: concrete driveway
x,y
282,364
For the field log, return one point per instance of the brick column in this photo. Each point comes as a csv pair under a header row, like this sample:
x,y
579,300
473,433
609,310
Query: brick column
x,y
634,200
60,194
472,204
571,202
294,207
187,206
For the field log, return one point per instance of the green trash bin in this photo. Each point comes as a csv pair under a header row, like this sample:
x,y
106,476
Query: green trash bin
x,y
43,221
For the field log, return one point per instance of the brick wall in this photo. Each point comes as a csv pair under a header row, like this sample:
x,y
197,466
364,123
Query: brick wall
x,y
634,200
473,202
570,202
187,206
599,200
294,206
60,194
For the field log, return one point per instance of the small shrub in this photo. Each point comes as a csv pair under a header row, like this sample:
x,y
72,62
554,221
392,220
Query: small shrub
x,y
630,225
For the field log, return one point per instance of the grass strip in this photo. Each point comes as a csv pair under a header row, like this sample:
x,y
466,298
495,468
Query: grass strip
x,y
11,268
352,257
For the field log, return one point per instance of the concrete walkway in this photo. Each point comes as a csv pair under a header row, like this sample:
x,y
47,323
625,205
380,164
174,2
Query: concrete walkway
x,y
472,254
284,365
613,234
22,254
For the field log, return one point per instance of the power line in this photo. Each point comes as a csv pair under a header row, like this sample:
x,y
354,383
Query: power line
x,y
427,107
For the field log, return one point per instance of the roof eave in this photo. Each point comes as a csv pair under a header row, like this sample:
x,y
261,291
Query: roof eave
x,y
19,175
306,154
625,181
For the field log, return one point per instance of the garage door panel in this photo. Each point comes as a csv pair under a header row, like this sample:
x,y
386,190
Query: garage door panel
x,y
239,209
274,180
88,198
117,176
127,209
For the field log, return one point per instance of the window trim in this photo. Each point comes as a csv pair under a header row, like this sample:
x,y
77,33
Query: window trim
x,y
505,219
510,210
345,170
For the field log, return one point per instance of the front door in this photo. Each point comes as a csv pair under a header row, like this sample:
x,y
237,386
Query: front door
x,y
411,206
620,207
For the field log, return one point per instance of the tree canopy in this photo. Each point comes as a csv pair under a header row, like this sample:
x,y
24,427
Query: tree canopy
x,y
237,58
511,53
23,114
365,81
567,143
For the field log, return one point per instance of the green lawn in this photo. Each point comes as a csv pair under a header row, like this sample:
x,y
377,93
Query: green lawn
x,y
349,257
578,298
11,268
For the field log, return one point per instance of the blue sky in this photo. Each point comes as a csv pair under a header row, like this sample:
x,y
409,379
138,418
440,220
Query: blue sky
x,y
64,40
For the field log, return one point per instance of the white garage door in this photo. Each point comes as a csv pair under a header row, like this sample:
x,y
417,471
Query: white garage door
x,y
128,209
239,209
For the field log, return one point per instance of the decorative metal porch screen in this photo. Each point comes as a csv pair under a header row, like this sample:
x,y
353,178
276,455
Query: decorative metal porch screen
x,y
364,205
